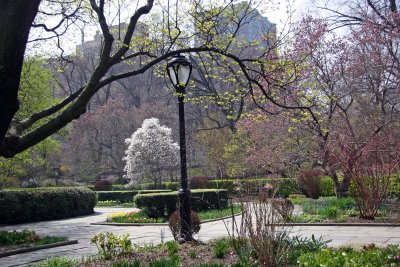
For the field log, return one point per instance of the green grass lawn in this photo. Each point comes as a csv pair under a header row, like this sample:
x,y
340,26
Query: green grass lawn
x,y
140,217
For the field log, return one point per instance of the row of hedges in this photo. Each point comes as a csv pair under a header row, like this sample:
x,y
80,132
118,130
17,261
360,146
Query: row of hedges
x,y
248,186
287,186
171,186
39,204
164,204
124,196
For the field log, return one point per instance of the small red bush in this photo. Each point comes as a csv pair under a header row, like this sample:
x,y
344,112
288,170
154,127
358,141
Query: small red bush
x,y
174,223
310,182
102,185
199,182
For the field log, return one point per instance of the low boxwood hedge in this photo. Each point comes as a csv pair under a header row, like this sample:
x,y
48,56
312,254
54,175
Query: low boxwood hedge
x,y
124,196
164,204
38,204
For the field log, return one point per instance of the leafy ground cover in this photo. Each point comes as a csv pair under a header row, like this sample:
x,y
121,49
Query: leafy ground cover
x,y
369,256
12,240
140,217
117,251
331,209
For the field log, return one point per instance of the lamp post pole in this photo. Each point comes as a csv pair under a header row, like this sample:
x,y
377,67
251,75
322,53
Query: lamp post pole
x,y
179,70
184,192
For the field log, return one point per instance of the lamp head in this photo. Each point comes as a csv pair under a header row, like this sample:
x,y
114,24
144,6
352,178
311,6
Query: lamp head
x,y
179,70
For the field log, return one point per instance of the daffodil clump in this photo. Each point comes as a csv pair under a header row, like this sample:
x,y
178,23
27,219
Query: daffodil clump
x,y
132,217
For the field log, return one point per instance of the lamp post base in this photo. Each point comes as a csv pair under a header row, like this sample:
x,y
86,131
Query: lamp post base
x,y
185,214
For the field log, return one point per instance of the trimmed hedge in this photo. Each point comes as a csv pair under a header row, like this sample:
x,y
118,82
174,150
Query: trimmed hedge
x,y
287,186
164,204
124,196
39,204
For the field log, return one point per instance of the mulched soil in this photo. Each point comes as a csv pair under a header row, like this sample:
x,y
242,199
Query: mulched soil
x,y
203,253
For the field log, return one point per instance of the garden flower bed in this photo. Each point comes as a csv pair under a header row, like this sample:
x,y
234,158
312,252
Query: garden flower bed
x,y
344,210
14,242
141,217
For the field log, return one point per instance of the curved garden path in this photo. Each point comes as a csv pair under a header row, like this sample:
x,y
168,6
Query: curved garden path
x,y
82,230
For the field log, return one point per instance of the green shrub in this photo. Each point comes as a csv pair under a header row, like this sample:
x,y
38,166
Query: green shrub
x,y
287,186
110,245
330,212
123,196
103,185
327,187
164,204
158,204
38,204
300,245
172,247
221,247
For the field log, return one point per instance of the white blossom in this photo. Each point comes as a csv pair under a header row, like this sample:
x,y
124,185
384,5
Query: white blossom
x,y
151,152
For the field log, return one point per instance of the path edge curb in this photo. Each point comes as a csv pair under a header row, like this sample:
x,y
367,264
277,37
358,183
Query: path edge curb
x,y
24,250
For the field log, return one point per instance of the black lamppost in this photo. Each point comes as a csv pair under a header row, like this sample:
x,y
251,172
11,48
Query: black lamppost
x,y
179,70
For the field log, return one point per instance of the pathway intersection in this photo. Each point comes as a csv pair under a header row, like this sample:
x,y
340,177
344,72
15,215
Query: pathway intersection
x,y
82,230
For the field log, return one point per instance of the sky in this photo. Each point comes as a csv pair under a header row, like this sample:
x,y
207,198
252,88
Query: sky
x,y
279,16
275,10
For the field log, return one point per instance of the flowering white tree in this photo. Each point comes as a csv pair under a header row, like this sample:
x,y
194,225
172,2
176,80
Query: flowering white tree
x,y
151,153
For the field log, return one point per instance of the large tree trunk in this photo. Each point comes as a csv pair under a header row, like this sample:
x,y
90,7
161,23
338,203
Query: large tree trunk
x,y
16,17
341,187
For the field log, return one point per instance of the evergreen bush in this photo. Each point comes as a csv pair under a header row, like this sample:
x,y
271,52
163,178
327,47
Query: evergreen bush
x,y
39,204
164,204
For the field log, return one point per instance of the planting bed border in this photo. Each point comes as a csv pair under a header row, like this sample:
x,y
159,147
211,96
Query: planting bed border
x,y
286,224
30,249
344,224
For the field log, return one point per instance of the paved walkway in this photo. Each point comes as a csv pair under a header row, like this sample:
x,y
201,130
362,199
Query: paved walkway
x,y
82,230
